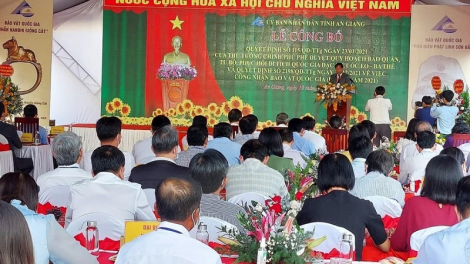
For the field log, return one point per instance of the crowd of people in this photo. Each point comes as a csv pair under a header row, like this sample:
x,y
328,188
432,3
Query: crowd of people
x,y
187,183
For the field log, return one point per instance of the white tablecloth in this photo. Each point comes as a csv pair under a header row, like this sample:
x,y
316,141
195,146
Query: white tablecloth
x,y
129,138
42,158
6,162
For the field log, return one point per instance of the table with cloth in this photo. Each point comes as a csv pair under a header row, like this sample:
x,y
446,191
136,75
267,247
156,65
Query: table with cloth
x,y
41,156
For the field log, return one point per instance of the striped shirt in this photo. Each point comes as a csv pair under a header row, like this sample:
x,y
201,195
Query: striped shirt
x,y
213,206
375,183
254,176
184,157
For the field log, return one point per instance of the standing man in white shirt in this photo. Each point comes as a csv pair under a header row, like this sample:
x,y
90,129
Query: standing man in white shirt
x,y
107,192
177,202
425,144
379,108
67,150
108,130
313,137
142,150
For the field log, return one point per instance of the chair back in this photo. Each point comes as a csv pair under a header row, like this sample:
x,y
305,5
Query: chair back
x,y
214,226
108,226
385,206
235,130
54,200
6,162
418,237
27,124
246,198
4,145
335,139
150,193
397,135
334,234
459,139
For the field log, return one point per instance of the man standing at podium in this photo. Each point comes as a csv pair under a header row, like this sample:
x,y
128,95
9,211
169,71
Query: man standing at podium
x,y
340,77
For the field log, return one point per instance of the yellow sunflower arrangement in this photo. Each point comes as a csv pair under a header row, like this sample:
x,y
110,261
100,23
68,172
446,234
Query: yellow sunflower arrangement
x,y
361,117
235,102
247,110
118,108
125,110
354,112
213,107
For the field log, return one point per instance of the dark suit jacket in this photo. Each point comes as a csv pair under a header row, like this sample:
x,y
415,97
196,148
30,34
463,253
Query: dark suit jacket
x,y
345,78
151,174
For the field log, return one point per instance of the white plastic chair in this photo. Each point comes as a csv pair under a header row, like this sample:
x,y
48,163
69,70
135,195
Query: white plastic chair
x,y
418,237
334,235
108,226
417,175
214,226
385,206
57,196
150,193
243,198
6,157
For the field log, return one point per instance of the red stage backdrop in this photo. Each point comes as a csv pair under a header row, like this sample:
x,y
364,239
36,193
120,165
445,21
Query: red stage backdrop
x,y
262,57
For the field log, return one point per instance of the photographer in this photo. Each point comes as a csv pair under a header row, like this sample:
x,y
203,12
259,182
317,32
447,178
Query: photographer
x,y
445,112
423,110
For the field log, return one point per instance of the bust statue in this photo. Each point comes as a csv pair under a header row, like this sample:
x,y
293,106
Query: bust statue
x,y
177,57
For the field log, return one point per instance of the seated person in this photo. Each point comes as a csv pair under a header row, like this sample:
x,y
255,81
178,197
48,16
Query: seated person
x,y
31,111
335,122
178,204
50,241
360,148
197,137
107,192
108,130
247,125
163,166
411,149
197,121
67,150
282,119
457,154
310,134
425,144
253,175
435,206
234,116
9,132
370,126
297,126
142,150
450,245
273,142
340,208
355,132
377,181
410,135
222,142
287,138
459,128
210,170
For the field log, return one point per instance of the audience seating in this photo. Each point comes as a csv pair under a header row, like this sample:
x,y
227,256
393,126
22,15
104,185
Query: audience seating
x,y
388,209
397,135
214,226
234,130
418,237
336,139
330,247
246,198
27,125
6,157
54,200
459,139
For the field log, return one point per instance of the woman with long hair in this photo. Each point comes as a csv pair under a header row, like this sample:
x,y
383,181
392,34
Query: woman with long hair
x,y
410,135
51,242
16,246
273,142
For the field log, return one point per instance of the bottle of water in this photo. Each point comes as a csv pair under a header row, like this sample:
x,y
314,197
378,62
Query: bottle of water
x,y
92,238
36,138
262,253
202,234
346,248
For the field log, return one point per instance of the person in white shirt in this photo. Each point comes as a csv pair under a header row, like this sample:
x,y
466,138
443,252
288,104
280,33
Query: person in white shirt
x,y
178,204
282,119
297,157
360,148
426,144
197,121
379,108
313,137
67,150
108,130
450,245
107,192
410,149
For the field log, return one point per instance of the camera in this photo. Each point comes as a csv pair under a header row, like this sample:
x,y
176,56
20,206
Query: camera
x,y
419,103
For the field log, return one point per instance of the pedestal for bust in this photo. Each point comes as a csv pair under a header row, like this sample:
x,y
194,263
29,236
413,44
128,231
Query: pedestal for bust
x,y
174,92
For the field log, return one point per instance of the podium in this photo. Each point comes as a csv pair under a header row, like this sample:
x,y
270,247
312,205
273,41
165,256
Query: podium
x,y
343,110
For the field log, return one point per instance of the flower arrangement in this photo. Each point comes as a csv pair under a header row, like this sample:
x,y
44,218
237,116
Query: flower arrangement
x,y
10,96
117,108
440,139
286,242
333,95
391,147
176,71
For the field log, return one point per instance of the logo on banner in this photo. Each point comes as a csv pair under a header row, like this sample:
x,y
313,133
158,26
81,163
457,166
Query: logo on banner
x,y
258,22
446,25
23,9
